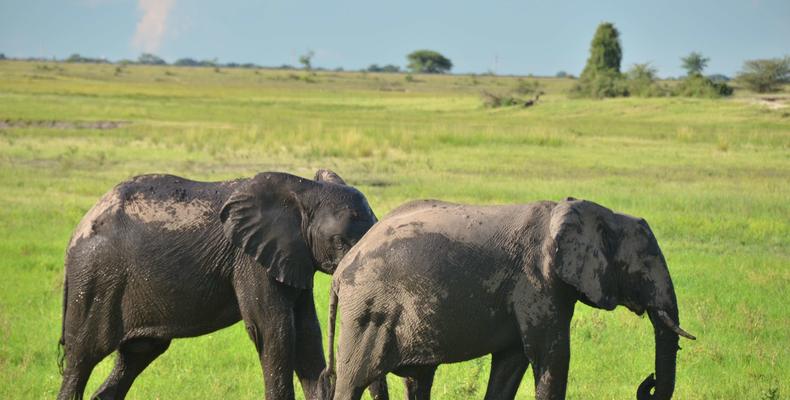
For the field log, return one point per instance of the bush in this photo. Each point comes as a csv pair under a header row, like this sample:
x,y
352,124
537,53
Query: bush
x,y
765,76
385,68
700,86
642,81
429,62
517,96
600,85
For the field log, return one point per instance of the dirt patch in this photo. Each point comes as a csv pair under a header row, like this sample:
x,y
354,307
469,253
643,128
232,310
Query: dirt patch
x,y
774,103
55,124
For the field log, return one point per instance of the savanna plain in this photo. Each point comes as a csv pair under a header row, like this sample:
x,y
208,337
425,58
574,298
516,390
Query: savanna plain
x,y
712,177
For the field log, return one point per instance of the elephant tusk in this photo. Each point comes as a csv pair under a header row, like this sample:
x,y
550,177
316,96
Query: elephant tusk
x,y
672,325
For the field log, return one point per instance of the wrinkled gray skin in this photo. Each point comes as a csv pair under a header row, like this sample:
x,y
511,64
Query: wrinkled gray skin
x,y
436,283
162,257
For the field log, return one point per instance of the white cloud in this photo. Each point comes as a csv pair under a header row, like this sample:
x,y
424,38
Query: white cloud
x,y
152,25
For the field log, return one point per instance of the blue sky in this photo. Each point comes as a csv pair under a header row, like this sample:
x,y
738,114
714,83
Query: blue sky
x,y
509,37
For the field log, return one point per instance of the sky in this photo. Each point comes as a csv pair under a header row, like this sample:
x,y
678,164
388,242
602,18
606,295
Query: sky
x,y
504,37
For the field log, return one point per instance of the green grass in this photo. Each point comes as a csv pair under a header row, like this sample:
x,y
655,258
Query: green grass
x,y
711,177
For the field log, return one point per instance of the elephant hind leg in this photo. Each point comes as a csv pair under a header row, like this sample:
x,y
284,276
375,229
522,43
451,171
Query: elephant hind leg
x,y
133,357
79,365
507,370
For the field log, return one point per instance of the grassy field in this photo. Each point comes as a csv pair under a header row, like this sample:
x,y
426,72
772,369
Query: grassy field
x,y
711,177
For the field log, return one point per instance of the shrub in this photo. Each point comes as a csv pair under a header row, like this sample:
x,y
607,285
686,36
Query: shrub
x,y
700,86
150,59
765,76
642,81
385,68
524,94
601,84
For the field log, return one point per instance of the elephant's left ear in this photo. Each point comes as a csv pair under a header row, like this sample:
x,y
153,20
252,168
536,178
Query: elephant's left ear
x,y
264,217
581,249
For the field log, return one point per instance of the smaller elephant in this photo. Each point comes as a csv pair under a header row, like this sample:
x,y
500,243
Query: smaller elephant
x,y
437,282
161,257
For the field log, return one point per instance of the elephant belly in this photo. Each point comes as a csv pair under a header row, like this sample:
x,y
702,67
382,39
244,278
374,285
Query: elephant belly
x,y
460,326
463,334
177,308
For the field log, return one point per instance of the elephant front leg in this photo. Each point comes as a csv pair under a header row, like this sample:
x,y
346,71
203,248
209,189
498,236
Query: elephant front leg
x,y
267,309
550,361
274,341
309,349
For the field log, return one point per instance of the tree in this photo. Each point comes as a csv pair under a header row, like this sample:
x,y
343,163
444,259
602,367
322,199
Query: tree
x,y
186,62
694,63
2,56
306,60
605,51
767,75
150,59
384,68
429,62
601,76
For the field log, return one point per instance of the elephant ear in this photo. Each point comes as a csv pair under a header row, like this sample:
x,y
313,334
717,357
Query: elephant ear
x,y
265,218
327,175
582,238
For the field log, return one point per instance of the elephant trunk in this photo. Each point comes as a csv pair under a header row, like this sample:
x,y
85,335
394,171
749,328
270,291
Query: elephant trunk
x,y
666,359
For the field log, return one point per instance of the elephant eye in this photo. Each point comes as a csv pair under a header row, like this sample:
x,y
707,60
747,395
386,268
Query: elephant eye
x,y
337,241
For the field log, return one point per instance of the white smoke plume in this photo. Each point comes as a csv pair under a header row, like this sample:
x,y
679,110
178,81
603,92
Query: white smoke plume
x,y
153,24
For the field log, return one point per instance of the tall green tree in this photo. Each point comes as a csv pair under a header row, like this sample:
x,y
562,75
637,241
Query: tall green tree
x,y
605,51
429,62
694,63
601,76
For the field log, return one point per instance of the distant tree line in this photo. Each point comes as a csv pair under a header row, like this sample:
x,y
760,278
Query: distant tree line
x,y
601,77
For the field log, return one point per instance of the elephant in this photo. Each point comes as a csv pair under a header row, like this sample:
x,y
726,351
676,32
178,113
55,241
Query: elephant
x,y
436,282
160,257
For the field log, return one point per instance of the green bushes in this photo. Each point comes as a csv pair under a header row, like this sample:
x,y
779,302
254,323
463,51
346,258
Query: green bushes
x,y
701,86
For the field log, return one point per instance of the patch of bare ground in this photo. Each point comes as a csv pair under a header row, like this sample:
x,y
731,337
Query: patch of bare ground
x,y
773,102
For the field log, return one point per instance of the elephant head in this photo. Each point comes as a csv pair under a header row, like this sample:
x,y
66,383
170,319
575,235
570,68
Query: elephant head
x,y
613,259
293,226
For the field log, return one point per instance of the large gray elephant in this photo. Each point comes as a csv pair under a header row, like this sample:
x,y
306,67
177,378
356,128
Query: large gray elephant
x,y
161,257
436,283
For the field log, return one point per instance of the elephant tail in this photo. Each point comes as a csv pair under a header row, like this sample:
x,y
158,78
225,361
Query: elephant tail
x,y
62,340
327,378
